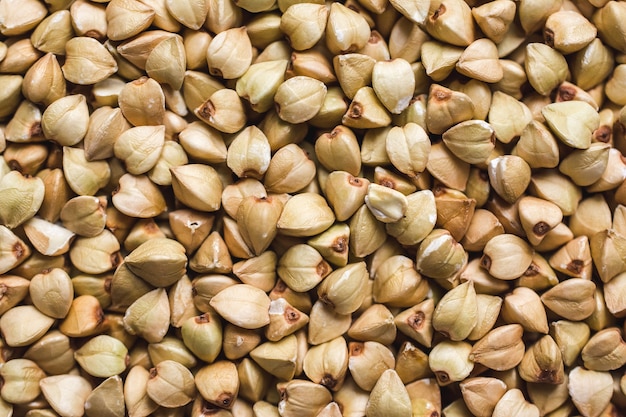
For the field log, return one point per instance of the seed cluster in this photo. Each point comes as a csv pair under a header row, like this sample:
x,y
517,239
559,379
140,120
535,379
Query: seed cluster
x,y
261,208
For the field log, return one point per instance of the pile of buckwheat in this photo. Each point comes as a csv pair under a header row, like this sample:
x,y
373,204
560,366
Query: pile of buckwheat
x,y
262,208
